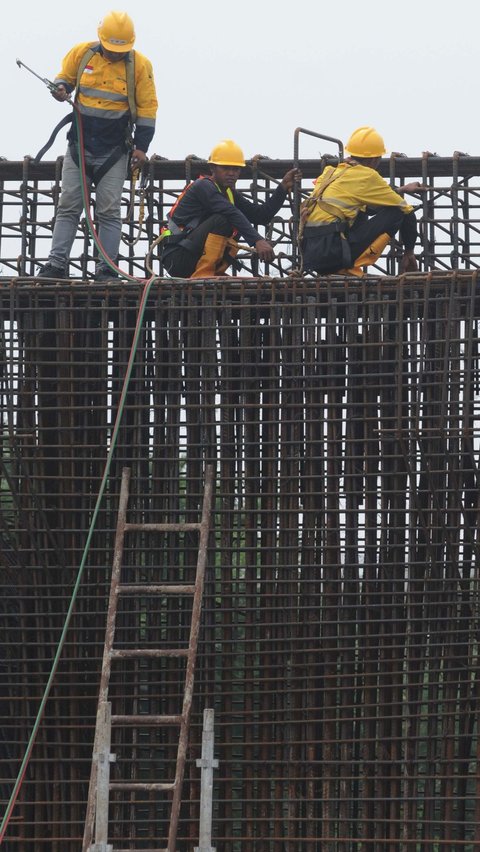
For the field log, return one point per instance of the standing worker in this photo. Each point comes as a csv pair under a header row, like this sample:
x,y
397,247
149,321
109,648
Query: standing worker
x,y
352,213
201,236
116,98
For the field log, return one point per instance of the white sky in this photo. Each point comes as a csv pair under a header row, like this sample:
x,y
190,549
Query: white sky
x,y
254,70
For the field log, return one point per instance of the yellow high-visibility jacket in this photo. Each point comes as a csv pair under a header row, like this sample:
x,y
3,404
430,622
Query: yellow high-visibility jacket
x,y
353,188
102,98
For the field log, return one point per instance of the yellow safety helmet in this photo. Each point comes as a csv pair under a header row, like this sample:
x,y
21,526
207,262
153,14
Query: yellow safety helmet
x,y
227,153
365,142
116,32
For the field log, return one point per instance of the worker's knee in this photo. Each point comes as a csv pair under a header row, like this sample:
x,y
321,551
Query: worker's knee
x,y
71,202
219,224
390,220
180,263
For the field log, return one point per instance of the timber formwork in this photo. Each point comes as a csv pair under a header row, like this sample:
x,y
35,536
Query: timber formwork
x,y
339,644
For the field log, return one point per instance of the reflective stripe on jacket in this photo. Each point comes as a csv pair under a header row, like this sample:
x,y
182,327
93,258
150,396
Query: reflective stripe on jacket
x,y
351,188
102,98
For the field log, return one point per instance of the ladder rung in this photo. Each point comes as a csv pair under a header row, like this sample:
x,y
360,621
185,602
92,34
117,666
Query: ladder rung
x,y
139,589
149,652
139,786
163,849
146,720
100,783
162,527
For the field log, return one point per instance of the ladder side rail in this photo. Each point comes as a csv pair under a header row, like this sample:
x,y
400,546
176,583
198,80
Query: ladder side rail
x,y
106,662
102,760
191,659
207,764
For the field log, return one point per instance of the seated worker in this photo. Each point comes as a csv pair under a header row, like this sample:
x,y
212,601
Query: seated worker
x,y
352,213
209,217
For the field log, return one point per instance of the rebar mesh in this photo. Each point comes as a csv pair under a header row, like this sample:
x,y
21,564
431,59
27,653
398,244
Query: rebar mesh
x,y
448,212
339,643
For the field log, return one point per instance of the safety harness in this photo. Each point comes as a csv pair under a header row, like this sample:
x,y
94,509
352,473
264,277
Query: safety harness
x,y
97,174
142,193
179,233
316,199
340,224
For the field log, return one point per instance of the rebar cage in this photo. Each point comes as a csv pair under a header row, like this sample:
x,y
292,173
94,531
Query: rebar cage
x,y
448,212
339,643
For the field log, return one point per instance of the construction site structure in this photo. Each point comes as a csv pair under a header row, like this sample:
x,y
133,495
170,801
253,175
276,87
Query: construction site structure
x,y
97,820
447,211
338,644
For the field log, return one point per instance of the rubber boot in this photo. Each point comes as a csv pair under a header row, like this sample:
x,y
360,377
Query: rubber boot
x,y
229,254
213,251
354,270
373,252
369,256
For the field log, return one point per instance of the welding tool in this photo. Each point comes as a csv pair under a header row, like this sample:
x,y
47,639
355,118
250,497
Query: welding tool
x,y
52,87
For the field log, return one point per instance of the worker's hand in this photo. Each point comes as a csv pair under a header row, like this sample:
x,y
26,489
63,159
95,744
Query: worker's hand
x,y
408,262
60,93
264,250
290,177
414,186
137,159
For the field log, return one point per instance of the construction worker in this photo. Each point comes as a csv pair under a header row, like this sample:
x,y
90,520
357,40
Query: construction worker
x,y
352,213
200,239
116,98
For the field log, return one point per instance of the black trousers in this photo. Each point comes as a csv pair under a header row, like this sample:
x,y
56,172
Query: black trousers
x,y
181,258
324,253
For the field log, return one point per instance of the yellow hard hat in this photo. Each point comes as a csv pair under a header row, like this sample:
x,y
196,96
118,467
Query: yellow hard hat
x,y
365,142
116,32
227,153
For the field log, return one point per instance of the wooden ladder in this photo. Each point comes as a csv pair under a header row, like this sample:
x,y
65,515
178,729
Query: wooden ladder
x,y
95,838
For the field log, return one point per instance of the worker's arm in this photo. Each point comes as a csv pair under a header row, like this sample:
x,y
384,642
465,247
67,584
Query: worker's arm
x,y
262,214
408,262
408,236
414,186
373,192
289,178
147,105
66,79
60,93
213,201
264,250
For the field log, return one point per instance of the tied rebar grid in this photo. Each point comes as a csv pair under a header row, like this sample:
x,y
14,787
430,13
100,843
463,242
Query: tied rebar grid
x,y
339,646
448,213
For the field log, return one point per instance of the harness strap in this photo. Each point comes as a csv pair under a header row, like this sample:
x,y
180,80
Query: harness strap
x,y
97,174
130,71
132,105
83,64
172,229
130,75
316,199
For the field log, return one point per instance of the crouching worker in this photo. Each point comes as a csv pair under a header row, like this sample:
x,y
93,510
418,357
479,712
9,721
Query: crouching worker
x,y
200,239
352,213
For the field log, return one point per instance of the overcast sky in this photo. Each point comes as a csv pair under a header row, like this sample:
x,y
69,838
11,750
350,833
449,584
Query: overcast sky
x,y
255,70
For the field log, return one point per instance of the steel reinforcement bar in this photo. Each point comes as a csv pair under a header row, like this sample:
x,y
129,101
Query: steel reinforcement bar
x,y
448,212
339,644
